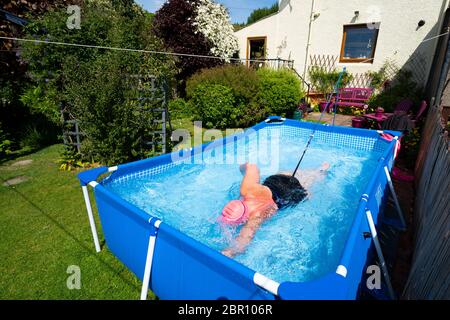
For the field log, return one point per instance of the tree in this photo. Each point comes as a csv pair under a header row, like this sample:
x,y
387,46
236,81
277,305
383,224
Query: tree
x,y
258,14
197,27
95,83
173,24
15,118
23,9
238,26
213,21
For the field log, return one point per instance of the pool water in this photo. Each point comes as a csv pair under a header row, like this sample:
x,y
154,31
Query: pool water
x,y
296,244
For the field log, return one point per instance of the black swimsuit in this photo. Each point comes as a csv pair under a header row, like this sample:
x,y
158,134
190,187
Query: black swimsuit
x,y
286,190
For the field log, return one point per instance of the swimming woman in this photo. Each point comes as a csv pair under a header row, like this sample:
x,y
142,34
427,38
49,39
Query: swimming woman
x,y
260,201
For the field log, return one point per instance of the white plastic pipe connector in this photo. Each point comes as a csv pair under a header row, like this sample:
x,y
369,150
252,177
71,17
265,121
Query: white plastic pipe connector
x,y
91,217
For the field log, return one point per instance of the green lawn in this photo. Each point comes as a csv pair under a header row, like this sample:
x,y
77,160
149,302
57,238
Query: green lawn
x,y
44,229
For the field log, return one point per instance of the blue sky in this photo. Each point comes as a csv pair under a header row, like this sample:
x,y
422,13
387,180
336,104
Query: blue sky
x,y
239,9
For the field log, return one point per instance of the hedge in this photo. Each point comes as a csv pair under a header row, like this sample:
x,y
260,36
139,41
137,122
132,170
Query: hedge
x,y
255,95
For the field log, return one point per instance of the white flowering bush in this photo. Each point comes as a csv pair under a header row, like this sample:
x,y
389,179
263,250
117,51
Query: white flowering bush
x,y
212,20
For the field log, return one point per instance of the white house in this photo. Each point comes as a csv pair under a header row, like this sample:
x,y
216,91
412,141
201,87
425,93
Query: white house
x,y
358,34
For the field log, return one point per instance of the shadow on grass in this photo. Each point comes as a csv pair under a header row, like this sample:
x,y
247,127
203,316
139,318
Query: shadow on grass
x,y
69,234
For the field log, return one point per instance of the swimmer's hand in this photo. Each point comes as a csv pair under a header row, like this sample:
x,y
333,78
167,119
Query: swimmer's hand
x,y
243,168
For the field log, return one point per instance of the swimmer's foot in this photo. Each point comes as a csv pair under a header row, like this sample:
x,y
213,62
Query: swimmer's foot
x,y
228,253
325,166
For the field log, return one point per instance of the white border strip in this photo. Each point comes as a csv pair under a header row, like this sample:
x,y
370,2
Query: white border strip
x,y
266,283
268,119
112,169
341,270
93,184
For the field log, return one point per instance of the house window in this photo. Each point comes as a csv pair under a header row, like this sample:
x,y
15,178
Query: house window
x,y
359,43
256,50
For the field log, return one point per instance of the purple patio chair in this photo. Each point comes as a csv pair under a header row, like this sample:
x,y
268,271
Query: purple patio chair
x,y
423,107
404,106
379,117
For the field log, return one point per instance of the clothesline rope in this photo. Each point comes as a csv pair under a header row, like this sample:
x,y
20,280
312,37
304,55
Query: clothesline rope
x,y
163,52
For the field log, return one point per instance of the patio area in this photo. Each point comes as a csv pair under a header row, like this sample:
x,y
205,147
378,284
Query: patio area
x,y
341,120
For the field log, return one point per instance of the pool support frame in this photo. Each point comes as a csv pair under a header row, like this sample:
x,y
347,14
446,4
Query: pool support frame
x,y
289,290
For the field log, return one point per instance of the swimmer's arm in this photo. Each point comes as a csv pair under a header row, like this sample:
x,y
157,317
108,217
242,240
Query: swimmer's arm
x,y
244,238
251,178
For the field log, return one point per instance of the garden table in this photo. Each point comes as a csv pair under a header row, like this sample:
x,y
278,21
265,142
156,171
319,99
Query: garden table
x,y
379,118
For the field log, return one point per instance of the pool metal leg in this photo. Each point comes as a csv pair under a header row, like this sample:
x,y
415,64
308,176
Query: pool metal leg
x,y
149,260
394,195
91,217
376,242
266,283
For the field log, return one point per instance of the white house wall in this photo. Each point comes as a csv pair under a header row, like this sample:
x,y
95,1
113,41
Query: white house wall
x,y
399,38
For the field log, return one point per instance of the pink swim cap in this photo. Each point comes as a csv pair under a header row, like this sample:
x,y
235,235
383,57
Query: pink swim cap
x,y
235,212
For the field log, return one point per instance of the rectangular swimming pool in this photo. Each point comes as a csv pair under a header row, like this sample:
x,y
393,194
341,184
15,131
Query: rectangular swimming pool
x,y
159,215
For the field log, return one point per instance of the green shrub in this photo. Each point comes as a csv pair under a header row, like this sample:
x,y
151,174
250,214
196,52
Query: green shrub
x,y
242,80
36,137
5,145
70,159
280,91
403,87
256,94
179,109
42,101
95,83
214,105
379,78
245,85
324,81
410,147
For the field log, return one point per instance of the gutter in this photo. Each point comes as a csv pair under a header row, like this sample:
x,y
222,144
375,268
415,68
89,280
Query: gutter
x,y
308,44
8,16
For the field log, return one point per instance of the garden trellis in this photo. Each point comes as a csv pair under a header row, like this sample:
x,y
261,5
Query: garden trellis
x,y
148,94
72,135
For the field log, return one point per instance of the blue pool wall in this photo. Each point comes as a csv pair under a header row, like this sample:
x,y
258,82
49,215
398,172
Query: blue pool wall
x,y
184,268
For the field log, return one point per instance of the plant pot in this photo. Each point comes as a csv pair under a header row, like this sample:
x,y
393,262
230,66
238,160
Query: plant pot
x,y
298,115
358,122
323,105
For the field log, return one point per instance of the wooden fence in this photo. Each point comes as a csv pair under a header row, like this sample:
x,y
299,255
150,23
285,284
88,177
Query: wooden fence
x,y
429,277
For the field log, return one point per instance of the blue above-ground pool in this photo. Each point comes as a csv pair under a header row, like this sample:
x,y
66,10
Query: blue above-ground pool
x,y
159,215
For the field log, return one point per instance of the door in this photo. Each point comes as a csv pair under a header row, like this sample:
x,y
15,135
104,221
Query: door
x,y
256,50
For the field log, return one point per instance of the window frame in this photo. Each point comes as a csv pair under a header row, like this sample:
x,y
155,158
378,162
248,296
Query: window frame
x,y
248,47
342,59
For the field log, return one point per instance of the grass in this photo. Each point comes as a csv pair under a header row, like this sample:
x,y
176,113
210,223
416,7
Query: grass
x,y
187,124
44,229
